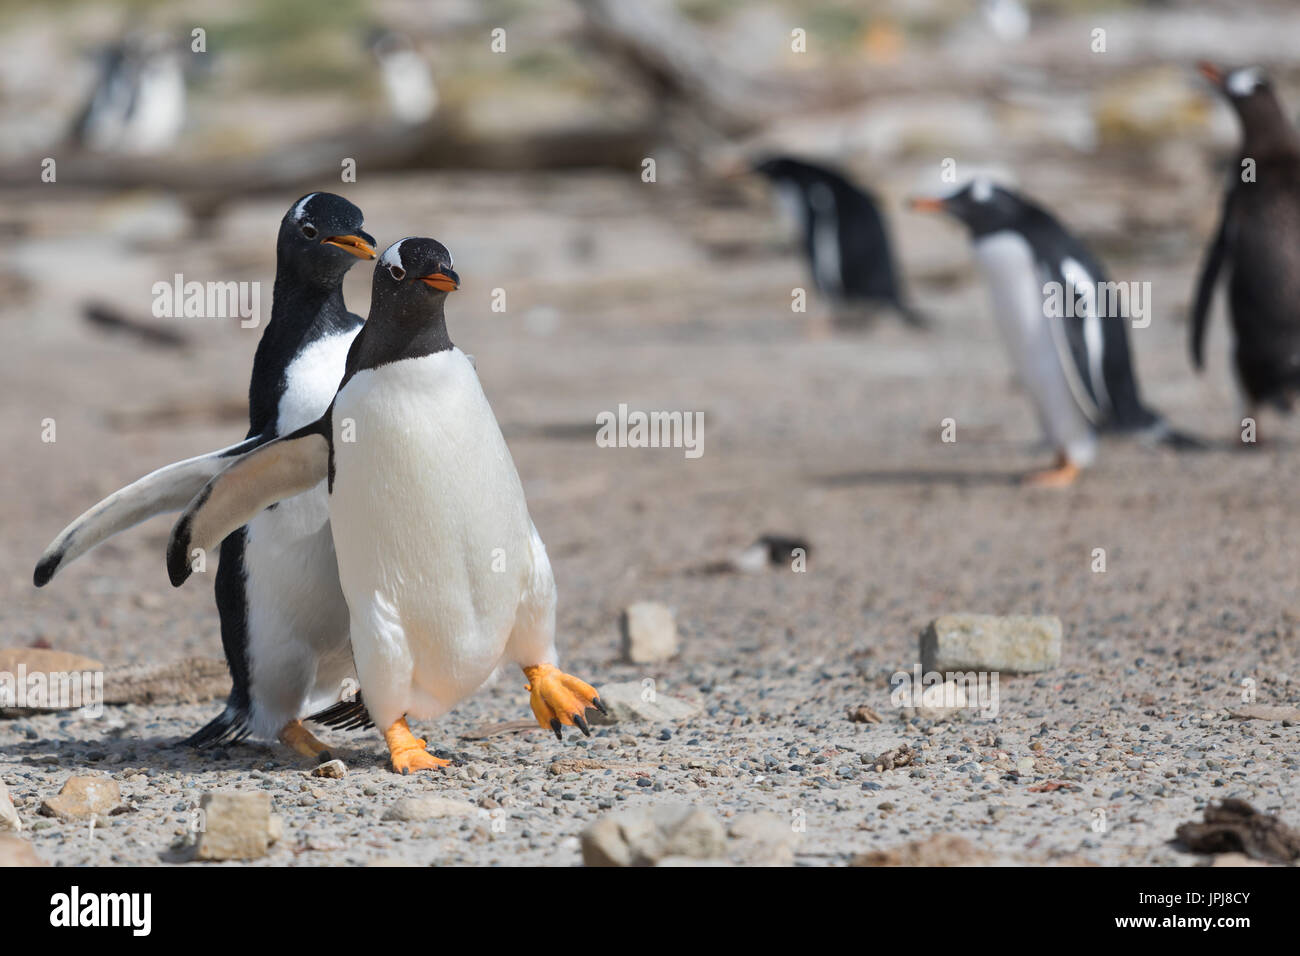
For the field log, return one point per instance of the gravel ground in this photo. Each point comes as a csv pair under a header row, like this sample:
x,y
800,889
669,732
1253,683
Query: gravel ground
x,y
835,439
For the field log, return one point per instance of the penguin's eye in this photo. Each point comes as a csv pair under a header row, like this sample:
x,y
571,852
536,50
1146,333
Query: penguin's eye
x,y
309,230
397,272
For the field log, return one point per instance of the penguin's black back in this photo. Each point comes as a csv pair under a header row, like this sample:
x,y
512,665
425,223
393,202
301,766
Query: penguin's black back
x,y
1264,288
1053,245
866,267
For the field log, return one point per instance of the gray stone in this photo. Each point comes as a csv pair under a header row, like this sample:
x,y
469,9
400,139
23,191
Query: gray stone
x,y
983,642
415,809
649,633
636,701
645,837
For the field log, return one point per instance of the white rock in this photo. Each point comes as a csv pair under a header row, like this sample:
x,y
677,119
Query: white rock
x,y
641,702
649,633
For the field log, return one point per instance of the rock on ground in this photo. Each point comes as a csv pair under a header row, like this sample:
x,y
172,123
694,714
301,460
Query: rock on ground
x,y
414,809
942,849
646,837
15,851
235,825
83,797
649,633
983,642
634,701
8,814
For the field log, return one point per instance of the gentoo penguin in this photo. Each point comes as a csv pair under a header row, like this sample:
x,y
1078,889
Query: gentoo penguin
x,y
408,82
138,105
444,573
844,236
284,623
1078,371
1258,240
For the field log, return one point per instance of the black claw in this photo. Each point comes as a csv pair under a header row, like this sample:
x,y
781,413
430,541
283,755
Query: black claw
x,y
599,705
582,724
406,771
555,726
324,757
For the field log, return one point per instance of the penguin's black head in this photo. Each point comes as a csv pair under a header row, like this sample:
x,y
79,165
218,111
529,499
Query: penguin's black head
x,y
322,238
1265,125
982,206
1240,85
414,273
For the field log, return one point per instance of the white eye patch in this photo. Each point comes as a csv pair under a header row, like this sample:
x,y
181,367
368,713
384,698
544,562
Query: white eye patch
x,y
393,256
300,210
1243,82
981,190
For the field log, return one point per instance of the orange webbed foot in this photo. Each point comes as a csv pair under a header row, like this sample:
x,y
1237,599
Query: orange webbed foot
x,y
1063,474
559,698
406,751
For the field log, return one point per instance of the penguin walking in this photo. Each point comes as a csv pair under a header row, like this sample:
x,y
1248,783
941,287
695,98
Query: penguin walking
x,y
284,621
138,105
444,573
1258,242
844,238
1078,370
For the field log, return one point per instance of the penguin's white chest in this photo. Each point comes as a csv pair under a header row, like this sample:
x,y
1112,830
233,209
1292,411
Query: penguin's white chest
x,y
1019,307
431,530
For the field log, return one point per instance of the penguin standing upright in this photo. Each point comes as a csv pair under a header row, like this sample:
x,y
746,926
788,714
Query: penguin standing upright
x,y
444,573
844,237
138,105
284,622
1070,352
1258,241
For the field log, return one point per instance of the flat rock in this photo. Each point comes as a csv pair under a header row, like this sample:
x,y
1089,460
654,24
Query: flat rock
x,y
415,809
21,662
984,642
332,769
645,837
83,797
1266,712
649,632
635,701
235,825
187,681
15,851
8,814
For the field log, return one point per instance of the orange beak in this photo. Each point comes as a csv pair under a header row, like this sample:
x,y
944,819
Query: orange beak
x,y
443,281
925,204
353,244
1210,72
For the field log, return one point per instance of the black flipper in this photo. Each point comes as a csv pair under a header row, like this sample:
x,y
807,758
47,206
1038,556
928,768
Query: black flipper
x,y
1214,257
